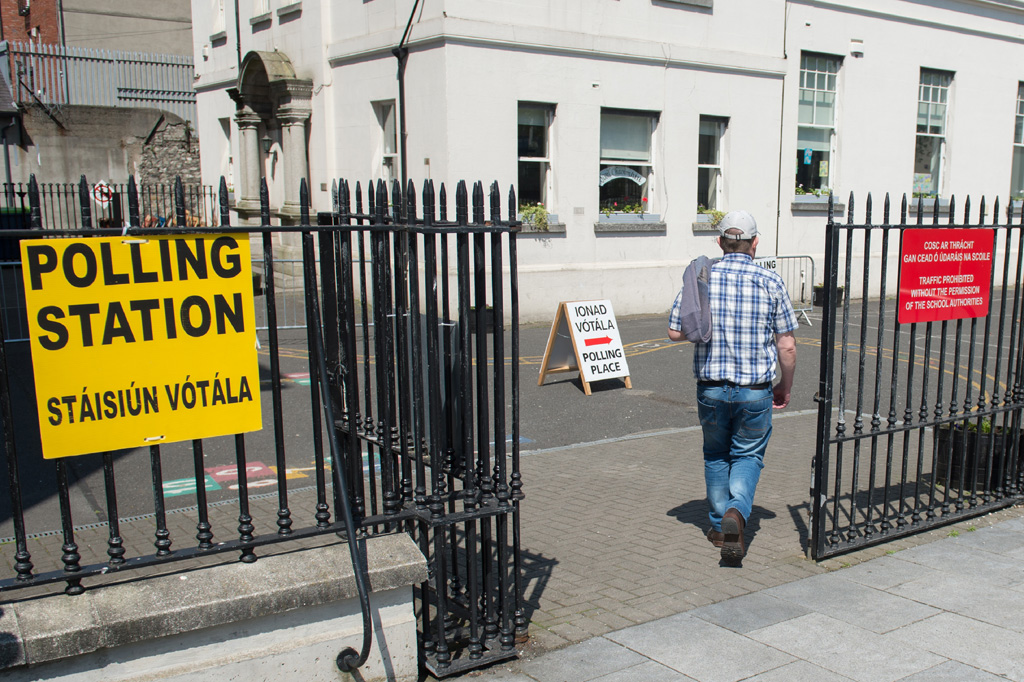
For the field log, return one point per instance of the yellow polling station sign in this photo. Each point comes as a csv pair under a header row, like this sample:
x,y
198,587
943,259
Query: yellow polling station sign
x,y
140,341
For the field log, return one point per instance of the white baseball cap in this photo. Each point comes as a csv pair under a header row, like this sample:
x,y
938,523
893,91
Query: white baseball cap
x,y
738,220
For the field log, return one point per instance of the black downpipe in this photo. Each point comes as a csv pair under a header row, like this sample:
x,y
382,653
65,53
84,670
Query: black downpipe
x,y
402,55
238,40
7,162
348,659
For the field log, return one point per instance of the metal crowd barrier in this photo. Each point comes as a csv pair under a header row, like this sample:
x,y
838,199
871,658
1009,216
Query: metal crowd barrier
x,y
798,274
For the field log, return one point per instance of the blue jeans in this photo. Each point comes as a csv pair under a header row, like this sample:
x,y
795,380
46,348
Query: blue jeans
x,y
737,423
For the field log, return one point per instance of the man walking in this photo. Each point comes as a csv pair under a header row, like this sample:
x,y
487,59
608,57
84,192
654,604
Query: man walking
x,y
752,328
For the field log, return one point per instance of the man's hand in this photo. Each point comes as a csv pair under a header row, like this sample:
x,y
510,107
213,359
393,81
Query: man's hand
x,y
780,397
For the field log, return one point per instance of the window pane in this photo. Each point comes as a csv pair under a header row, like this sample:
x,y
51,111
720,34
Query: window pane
x,y
533,116
805,109
533,131
707,187
824,109
813,157
532,140
937,120
922,117
625,136
390,138
1017,179
708,142
816,139
532,181
812,168
926,164
623,187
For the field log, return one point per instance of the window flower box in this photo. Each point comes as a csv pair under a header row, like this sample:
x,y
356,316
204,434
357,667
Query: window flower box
x,y
927,205
704,223
815,203
629,222
531,227
621,217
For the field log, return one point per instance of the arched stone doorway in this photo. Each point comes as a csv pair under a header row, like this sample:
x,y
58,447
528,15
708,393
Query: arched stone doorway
x,y
273,105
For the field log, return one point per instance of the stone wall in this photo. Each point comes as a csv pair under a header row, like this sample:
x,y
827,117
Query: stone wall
x,y
172,150
104,143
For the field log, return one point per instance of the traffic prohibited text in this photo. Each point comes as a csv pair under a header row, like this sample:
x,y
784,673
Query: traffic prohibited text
x,y
138,341
945,274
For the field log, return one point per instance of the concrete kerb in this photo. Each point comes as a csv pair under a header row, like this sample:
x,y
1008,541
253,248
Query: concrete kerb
x,y
253,612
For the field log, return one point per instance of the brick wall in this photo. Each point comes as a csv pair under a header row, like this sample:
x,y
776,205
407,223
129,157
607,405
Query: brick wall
x,y
42,16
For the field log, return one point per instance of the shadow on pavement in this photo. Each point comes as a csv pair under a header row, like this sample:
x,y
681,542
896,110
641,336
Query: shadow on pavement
x,y
695,513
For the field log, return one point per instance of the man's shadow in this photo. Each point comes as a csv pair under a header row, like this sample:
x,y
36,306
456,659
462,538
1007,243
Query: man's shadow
x,y
695,513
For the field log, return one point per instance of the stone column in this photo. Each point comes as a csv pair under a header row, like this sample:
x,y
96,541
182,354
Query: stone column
x,y
293,145
248,190
293,97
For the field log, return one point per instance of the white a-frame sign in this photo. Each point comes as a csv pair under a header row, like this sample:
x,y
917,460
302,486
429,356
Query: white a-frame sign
x,y
585,338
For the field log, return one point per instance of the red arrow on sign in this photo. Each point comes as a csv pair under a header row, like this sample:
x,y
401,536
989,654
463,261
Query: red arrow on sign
x,y
599,341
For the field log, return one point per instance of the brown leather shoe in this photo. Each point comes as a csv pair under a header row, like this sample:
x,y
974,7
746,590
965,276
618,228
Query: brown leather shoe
x,y
716,537
733,547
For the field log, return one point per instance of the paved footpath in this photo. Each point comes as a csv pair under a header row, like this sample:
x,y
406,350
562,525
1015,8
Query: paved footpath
x,y
623,586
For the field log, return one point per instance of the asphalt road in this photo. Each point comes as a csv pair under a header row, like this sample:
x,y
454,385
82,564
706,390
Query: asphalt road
x,y
663,393
555,415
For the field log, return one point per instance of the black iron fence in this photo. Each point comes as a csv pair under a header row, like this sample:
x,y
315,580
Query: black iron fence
x,y
410,379
70,205
935,404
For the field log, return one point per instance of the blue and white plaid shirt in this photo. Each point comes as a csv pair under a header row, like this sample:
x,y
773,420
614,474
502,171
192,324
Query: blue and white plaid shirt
x,y
749,306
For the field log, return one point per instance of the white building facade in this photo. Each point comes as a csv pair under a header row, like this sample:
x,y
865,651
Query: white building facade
x,y
623,118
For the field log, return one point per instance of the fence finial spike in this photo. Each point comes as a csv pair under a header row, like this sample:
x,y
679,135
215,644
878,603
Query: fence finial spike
x,y
35,212
495,203
303,202
264,203
83,201
478,203
461,203
133,200
179,203
223,204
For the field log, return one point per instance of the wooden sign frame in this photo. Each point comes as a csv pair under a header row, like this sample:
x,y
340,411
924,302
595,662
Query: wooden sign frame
x,y
565,345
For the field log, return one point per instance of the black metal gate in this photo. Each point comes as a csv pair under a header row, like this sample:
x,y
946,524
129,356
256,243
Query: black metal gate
x,y
935,406
427,400
410,381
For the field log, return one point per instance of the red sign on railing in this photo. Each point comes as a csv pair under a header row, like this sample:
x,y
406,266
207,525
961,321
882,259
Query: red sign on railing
x,y
945,274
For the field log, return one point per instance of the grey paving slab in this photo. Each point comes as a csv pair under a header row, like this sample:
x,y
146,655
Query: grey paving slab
x,y
702,650
973,597
580,662
885,572
952,671
749,612
648,672
998,539
852,602
799,671
845,649
952,555
979,645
